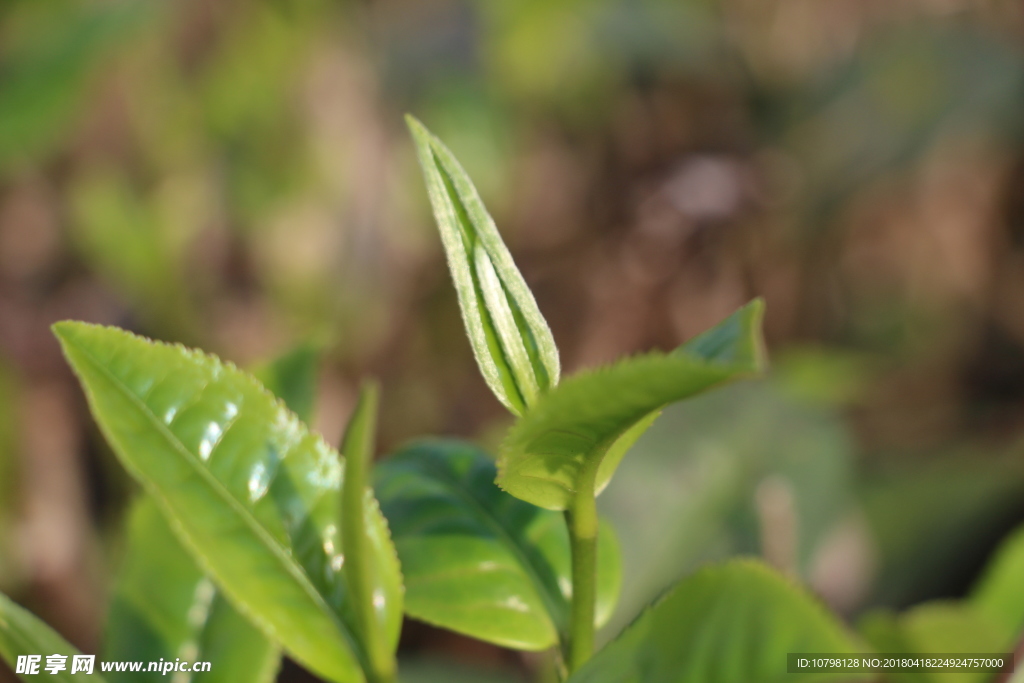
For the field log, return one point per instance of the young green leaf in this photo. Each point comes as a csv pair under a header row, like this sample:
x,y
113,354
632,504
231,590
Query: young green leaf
x,y
22,633
1000,592
475,559
164,608
249,490
510,338
732,623
379,624
573,439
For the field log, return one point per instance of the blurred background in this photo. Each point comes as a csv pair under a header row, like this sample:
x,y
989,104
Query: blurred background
x,y
236,175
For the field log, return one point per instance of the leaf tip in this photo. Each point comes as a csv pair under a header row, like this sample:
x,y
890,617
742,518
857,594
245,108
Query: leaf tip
x,y
412,121
65,329
74,333
417,129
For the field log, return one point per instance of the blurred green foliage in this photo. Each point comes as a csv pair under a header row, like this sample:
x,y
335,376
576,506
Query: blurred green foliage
x,y
689,494
52,53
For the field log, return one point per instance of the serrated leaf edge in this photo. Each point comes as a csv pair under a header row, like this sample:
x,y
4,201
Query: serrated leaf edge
x,y
281,554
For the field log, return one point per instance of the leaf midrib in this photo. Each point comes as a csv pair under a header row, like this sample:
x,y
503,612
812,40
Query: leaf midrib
x,y
279,553
469,238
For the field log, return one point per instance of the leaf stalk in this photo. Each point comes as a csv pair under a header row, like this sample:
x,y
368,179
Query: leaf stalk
x,y
582,520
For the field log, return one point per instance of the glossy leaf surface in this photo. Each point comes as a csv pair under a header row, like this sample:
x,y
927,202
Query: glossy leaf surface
x,y
251,492
1000,592
510,338
599,414
475,559
23,633
733,623
165,608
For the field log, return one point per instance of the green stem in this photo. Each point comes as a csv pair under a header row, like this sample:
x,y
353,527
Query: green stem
x,y
358,445
581,519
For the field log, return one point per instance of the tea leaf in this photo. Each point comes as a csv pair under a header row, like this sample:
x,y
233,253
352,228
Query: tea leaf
x,y
164,608
736,341
475,559
163,605
510,338
379,622
732,623
595,416
251,492
23,633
